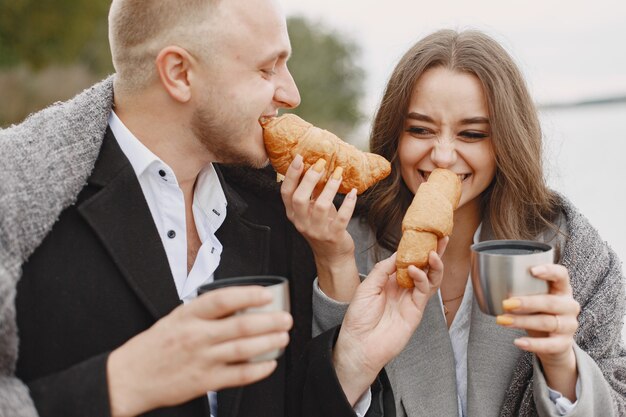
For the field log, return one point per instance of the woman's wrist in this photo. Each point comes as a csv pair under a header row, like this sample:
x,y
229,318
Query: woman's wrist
x,y
561,373
339,278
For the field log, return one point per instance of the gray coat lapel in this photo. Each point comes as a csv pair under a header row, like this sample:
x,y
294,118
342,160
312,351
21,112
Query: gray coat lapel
x,y
491,358
423,376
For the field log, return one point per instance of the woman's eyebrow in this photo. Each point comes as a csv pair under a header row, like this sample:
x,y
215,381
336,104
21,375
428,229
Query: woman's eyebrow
x,y
475,120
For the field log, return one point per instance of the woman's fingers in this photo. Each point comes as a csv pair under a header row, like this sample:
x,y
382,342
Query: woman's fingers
x,y
545,303
344,214
290,183
301,196
547,323
557,277
553,345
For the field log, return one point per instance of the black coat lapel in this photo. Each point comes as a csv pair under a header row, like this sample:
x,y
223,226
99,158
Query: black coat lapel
x,y
246,244
246,252
120,216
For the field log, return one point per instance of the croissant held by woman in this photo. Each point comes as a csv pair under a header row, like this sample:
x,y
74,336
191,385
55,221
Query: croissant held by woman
x,y
289,135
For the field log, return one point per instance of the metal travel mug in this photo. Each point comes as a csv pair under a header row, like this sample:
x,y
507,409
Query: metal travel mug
x,y
279,286
500,269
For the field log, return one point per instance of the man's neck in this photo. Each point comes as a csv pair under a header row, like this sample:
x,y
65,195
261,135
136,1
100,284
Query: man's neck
x,y
166,133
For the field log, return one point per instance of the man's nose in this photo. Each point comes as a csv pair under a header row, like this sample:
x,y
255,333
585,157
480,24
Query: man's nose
x,y
443,153
287,94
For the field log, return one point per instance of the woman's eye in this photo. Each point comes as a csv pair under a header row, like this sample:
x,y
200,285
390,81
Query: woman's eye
x,y
419,131
469,135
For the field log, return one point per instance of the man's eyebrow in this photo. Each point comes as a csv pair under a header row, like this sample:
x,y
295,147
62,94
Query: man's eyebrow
x,y
281,54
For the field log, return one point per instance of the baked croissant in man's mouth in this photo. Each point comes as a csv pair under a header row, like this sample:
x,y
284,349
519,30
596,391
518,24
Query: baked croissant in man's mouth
x,y
428,218
289,135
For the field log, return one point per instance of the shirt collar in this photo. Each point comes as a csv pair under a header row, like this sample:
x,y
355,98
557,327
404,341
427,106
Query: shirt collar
x,y
139,156
209,197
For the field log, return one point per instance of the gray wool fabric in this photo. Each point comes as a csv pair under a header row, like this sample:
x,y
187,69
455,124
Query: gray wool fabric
x,y
44,163
598,284
416,374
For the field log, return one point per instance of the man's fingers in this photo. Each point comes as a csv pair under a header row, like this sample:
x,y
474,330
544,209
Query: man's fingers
x,y
244,349
380,274
226,301
244,373
420,279
247,325
442,244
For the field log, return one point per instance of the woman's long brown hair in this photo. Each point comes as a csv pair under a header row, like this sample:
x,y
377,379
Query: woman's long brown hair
x,y
518,203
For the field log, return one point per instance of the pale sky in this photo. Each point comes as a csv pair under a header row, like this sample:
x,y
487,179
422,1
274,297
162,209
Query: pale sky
x,y
567,49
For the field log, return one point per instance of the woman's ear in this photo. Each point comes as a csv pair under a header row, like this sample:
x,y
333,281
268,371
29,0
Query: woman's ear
x,y
173,67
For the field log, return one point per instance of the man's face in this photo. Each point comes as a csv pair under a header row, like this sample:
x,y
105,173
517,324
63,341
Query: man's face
x,y
245,78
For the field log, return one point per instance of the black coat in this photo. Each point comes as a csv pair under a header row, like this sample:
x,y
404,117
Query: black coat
x,y
101,276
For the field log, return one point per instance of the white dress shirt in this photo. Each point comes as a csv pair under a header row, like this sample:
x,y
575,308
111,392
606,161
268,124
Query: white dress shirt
x,y
167,206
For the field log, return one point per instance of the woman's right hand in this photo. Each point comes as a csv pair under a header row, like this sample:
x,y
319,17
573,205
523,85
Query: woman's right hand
x,y
323,226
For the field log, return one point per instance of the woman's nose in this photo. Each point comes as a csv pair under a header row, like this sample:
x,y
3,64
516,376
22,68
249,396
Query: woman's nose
x,y
443,153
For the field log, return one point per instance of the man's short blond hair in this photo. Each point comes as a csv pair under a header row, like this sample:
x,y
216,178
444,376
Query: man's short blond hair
x,y
139,29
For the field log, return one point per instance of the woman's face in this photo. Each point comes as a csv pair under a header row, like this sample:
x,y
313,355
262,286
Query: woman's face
x,y
447,126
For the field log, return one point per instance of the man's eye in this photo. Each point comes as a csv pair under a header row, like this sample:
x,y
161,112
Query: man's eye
x,y
269,72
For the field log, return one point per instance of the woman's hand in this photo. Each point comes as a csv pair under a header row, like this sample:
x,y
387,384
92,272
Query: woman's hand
x,y
551,321
380,321
323,226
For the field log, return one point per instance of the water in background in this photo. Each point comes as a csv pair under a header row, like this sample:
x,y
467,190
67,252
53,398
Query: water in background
x,y
586,161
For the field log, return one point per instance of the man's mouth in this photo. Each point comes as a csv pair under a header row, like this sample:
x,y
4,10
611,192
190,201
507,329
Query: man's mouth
x,y
266,118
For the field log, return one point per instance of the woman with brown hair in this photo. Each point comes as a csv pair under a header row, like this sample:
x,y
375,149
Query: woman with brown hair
x,y
458,101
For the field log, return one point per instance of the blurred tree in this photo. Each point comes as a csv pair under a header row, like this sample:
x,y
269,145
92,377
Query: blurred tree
x,y
44,32
328,77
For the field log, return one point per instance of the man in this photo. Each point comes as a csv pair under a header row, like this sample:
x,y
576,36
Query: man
x,y
113,214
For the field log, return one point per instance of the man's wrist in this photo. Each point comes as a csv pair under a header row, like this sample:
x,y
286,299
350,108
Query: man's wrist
x,y
354,375
123,400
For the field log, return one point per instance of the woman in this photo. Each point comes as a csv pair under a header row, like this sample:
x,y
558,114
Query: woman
x,y
458,101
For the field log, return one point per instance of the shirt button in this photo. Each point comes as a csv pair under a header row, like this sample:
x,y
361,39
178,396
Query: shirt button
x,y
171,234
161,173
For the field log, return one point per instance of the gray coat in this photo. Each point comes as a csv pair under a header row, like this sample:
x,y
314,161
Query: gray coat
x,y
503,380
32,196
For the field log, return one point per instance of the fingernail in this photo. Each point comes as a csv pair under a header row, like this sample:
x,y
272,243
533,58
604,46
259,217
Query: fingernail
x,y
511,303
319,165
337,173
352,194
522,343
504,320
297,162
538,270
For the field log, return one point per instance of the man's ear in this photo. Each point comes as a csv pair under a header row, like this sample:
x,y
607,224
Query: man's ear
x,y
173,66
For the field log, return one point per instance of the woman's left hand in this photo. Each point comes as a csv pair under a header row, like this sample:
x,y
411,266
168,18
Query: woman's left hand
x,y
551,321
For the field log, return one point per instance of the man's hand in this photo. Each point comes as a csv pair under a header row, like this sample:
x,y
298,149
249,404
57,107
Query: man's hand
x,y
380,321
198,347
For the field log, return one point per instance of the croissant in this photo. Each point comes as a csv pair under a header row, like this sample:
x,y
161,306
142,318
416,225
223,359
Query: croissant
x,y
288,135
428,218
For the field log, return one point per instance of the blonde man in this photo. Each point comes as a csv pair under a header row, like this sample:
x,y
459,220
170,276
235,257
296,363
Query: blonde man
x,y
113,214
